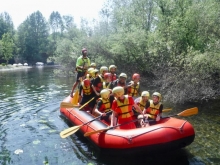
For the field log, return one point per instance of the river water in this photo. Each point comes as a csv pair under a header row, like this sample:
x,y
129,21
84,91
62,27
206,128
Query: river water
x,y
30,124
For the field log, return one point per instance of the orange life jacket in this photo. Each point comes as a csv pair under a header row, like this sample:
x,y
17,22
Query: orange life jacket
x,y
153,110
125,108
141,104
106,106
133,89
87,90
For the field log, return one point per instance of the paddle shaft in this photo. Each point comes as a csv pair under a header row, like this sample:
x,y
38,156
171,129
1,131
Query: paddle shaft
x,y
86,103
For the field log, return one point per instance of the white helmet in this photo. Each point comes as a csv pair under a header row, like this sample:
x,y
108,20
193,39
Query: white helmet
x,y
123,75
118,91
145,93
103,68
105,93
158,95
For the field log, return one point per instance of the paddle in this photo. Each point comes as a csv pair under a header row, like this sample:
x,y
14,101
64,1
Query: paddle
x,y
167,110
86,103
70,105
69,131
75,97
187,112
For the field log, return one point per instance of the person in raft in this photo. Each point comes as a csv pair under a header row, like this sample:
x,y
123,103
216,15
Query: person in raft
x,y
134,89
86,93
97,83
82,64
153,110
122,109
103,106
141,102
121,81
112,70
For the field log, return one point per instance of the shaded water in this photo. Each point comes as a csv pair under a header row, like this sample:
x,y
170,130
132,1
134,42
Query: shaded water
x,y
30,124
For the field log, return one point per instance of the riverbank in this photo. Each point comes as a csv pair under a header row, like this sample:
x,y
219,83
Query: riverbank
x,y
11,67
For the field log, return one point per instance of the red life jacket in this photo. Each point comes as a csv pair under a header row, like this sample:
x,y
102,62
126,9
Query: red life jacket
x,y
113,77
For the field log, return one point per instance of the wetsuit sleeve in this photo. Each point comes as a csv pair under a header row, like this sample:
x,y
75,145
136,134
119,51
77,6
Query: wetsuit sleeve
x,y
147,105
161,108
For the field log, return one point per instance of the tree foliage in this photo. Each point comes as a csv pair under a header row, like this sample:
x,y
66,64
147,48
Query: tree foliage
x,y
174,43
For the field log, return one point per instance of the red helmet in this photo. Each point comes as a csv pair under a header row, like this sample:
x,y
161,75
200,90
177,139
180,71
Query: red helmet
x,y
83,50
135,76
86,82
107,75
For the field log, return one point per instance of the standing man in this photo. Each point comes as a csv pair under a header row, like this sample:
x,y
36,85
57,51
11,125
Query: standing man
x,y
82,64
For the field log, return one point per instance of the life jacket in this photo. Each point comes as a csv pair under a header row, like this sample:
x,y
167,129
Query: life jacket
x,y
106,106
84,62
125,108
119,84
87,90
153,110
133,90
141,104
104,86
99,85
113,77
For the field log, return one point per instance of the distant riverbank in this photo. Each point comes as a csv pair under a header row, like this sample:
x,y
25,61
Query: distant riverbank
x,y
11,67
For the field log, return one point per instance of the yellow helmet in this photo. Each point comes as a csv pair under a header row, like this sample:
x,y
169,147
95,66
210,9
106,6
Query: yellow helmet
x,y
94,71
103,68
123,75
112,66
90,70
145,93
118,91
158,95
93,64
105,93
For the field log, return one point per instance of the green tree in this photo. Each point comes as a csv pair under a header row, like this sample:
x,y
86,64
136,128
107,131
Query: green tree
x,y
7,47
6,24
32,38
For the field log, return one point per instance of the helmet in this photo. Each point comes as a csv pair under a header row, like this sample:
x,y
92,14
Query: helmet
x,y
105,93
118,91
135,76
86,82
145,93
112,66
107,75
90,70
123,75
158,95
94,71
83,50
93,64
103,68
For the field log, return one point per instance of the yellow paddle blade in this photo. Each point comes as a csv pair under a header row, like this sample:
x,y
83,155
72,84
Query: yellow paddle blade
x,y
76,97
189,112
69,131
97,131
167,110
67,105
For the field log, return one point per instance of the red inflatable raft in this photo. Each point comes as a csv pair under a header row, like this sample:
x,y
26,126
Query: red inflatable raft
x,y
168,134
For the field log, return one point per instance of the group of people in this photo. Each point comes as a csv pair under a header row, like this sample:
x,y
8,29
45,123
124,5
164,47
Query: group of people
x,y
108,95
